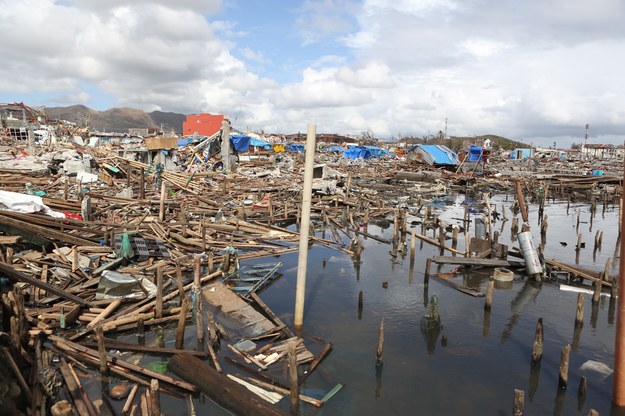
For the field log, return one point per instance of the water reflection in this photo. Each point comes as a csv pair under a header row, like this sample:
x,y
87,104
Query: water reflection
x,y
534,379
431,324
527,294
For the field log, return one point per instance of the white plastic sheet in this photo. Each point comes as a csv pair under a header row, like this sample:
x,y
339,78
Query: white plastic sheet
x,y
14,201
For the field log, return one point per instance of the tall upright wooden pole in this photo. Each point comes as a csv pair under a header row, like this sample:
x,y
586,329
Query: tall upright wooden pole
x,y
225,145
300,291
618,388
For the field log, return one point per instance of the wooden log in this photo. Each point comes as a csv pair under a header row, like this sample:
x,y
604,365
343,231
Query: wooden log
x,y
324,352
537,347
583,387
158,309
437,244
155,398
102,351
219,388
294,391
489,295
18,374
83,407
519,403
521,200
129,400
579,314
114,344
563,378
181,324
575,272
105,313
379,353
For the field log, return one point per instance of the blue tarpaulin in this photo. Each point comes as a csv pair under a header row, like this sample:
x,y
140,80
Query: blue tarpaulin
x,y
376,151
240,143
334,149
433,154
475,154
260,143
184,141
296,147
357,153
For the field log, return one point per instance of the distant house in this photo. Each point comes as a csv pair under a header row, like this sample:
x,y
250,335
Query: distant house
x,y
202,124
601,152
521,153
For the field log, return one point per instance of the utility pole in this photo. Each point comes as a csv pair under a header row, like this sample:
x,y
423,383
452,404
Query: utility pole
x,y
618,386
445,128
302,262
585,142
225,144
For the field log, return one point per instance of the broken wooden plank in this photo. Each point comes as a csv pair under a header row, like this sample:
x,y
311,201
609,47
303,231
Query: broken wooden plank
x,y
219,388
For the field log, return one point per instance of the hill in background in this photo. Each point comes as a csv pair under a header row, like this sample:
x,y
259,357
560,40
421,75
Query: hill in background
x,y
117,119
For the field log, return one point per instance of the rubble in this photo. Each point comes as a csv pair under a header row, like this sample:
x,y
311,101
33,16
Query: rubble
x,y
134,238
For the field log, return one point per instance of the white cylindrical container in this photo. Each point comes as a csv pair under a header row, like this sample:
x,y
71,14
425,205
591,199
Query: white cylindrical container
x,y
530,255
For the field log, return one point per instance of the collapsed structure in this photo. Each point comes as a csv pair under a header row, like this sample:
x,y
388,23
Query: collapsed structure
x,y
108,234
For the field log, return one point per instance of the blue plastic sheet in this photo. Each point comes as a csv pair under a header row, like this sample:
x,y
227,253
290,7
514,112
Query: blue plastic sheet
x,y
240,143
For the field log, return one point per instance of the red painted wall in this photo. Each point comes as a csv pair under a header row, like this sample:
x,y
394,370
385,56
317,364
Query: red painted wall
x,y
203,124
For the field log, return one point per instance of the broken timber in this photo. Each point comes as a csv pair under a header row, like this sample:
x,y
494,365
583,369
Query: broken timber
x,y
219,388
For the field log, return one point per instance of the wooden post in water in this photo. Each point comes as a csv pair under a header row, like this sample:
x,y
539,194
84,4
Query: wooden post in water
x,y
360,304
583,388
379,353
182,318
521,200
519,403
155,398
489,294
537,347
292,355
413,244
563,378
300,291
618,388
579,314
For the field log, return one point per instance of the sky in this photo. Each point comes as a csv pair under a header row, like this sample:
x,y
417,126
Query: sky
x,y
535,71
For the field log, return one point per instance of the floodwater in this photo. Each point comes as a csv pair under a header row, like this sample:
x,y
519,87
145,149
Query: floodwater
x,y
485,356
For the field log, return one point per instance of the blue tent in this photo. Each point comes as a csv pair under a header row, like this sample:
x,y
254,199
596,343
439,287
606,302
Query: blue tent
x,y
296,147
334,149
357,153
376,151
437,155
260,143
240,143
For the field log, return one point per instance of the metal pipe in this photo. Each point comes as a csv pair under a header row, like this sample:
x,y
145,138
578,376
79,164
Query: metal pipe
x,y
300,290
618,388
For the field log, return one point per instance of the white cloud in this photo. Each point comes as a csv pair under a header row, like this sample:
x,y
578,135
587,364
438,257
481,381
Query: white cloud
x,y
522,70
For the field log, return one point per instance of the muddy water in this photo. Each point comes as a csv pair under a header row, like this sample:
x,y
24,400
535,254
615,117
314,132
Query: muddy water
x,y
486,356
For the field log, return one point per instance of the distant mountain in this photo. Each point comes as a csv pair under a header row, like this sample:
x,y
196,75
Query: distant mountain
x,y
116,119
